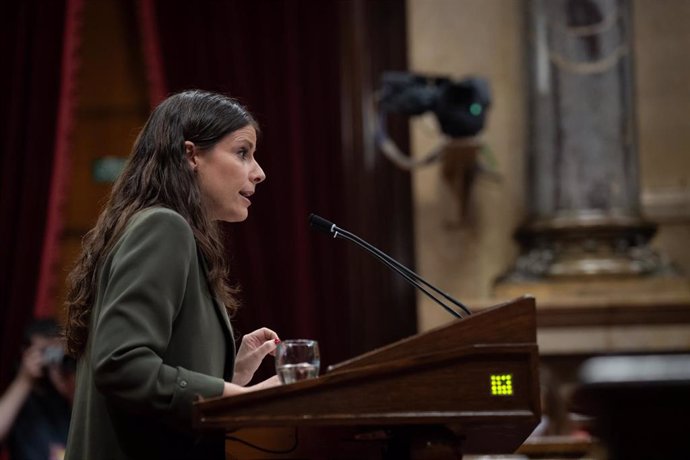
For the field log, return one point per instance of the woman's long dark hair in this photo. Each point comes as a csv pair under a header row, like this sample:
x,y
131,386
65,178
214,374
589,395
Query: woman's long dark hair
x,y
158,174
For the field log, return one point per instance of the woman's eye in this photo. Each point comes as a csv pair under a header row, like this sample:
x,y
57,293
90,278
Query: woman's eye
x,y
243,153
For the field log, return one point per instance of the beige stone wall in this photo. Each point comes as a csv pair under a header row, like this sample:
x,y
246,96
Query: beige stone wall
x,y
461,38
486,37
662,66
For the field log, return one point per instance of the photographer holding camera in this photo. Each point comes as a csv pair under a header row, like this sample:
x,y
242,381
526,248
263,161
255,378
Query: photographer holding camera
x,y
35,409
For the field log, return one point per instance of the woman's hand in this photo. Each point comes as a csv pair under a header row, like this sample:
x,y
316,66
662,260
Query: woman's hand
x,y
253,349
231,389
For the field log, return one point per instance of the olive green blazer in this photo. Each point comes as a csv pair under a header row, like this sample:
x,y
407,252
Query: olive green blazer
x,y
158,341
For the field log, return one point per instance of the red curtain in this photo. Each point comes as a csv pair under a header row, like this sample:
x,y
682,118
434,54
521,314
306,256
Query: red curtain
x,y
283,60
32,39
49,277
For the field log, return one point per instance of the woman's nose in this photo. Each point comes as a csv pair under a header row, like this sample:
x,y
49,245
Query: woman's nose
x,y
258,174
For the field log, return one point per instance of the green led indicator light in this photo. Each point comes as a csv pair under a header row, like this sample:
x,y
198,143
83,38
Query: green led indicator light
x,y
501,384
476,109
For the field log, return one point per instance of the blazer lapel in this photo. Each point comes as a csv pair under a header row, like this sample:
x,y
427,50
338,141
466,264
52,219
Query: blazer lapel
x,y
219,306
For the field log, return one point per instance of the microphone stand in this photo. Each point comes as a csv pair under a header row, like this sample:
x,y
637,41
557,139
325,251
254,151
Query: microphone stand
x,y
321,224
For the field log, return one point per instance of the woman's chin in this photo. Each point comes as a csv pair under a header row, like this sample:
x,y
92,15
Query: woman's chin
x,y
235,217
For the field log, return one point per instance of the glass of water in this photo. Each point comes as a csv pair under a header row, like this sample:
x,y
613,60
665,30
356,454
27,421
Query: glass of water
x,y
297,360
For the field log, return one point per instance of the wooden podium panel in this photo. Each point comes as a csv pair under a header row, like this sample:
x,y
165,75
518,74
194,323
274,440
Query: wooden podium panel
x,y
472,386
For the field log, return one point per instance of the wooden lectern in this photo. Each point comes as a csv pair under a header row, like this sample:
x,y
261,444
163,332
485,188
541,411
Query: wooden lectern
x,y
471,386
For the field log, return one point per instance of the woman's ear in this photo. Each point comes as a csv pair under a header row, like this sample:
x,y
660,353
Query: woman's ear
x,y
191,153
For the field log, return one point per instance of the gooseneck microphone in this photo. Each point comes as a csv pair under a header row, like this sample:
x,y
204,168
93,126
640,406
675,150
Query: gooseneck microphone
x,y
323,225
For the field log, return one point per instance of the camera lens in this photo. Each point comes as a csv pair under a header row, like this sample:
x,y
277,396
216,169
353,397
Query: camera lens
x,y
53,355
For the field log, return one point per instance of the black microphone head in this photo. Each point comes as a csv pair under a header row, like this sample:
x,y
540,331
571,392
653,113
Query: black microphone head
x,y
321,224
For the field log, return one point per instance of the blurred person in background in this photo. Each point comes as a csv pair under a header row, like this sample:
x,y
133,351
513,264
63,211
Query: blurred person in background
x,y
35,408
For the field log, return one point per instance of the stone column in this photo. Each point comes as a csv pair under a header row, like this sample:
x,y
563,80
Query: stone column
x,y
583,165
585,252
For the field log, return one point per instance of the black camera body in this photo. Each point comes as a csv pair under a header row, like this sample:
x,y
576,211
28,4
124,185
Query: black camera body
x,y
459,105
